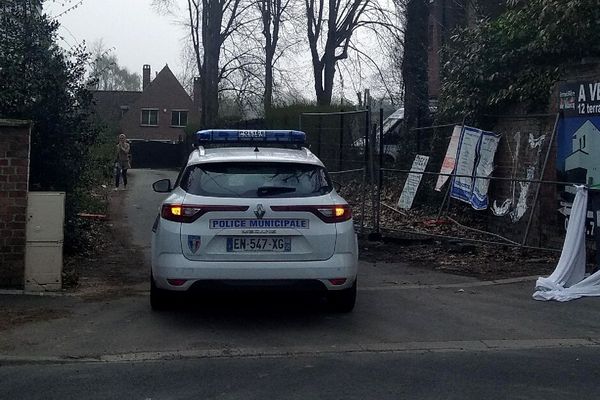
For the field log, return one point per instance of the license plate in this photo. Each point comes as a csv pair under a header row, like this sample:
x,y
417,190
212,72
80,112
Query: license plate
x,y
268,244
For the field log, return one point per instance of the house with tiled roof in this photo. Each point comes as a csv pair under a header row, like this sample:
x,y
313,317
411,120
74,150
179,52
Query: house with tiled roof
x,y
160,112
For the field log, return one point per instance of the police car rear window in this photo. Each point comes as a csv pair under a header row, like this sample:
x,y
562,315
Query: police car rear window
x,y
253,179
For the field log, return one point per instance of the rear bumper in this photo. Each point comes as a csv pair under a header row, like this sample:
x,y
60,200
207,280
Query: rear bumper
x,y
176,266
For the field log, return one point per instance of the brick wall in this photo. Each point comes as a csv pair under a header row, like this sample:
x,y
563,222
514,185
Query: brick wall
x,y
525,142
14,179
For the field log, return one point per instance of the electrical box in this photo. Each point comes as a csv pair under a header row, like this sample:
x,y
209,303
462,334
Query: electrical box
x,y
45,236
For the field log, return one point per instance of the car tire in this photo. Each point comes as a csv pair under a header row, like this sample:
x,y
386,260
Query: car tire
x,y
159,298
342,301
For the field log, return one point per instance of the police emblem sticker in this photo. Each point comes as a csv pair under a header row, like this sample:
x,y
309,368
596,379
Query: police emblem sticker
x,y
194,243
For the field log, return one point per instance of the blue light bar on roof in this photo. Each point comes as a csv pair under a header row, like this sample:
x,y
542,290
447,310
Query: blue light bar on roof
x,y
249,136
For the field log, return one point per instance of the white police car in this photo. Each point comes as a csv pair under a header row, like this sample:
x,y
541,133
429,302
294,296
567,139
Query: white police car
x,y
253,208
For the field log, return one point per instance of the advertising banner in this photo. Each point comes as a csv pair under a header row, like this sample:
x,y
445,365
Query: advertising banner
x,y
412,182
475,157
578,145
462,186
484,167
450,159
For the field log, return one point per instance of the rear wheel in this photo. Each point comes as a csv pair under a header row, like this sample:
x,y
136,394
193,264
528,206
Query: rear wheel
x,y
342,300
159,299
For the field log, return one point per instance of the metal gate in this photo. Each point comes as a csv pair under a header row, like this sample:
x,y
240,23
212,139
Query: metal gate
x,y
158,154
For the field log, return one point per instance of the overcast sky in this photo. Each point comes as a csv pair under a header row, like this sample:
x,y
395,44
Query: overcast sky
x,y
137,32
140,35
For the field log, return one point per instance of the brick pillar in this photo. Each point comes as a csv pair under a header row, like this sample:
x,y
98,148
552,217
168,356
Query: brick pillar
x,y
14,180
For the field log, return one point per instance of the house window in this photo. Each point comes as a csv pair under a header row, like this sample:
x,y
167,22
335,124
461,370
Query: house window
x,y
179,118
149,117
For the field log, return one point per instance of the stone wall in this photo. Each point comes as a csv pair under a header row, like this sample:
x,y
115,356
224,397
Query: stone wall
x,y
14,180
526,143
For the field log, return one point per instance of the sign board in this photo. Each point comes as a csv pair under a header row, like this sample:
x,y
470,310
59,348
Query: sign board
x,y
412,182
450,159
578,144
579,99
485,166
476,150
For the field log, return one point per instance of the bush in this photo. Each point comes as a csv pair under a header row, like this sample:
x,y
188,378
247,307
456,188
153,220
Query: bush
x,y
517,57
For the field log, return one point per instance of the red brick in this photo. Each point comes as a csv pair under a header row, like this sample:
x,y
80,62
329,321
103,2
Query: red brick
x,y
7,170
22,171
15,225
19,162
17,178
17,210
19,233
3,162
21,186
18,249
16,241
19,194
19,218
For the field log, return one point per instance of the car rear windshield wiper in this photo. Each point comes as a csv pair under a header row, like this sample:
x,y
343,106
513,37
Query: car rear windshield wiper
x,y
270,190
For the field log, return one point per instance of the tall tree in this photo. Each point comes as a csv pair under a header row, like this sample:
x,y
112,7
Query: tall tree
x,y
210,24
272,14
41,82
107,74
331,25
414,64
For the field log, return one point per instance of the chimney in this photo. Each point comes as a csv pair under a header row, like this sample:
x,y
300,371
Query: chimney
x,y
197,94
145,76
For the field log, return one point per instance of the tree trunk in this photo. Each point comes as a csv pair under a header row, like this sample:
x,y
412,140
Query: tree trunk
x,y
414,70
212,18
268,100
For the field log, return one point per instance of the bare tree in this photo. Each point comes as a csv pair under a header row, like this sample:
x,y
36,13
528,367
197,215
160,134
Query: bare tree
x,y
414,64
210,24
331,25
272,13
106,74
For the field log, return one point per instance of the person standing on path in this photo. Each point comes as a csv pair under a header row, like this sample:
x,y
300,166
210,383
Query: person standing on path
x,y
122,161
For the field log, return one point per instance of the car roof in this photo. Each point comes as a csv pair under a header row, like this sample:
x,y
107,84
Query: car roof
x,y
248,154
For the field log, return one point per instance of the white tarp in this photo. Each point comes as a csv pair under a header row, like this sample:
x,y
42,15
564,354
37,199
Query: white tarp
x,y
566,282
412,182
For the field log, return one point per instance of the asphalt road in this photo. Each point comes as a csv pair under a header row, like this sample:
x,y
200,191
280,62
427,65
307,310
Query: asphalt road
x,y
415,334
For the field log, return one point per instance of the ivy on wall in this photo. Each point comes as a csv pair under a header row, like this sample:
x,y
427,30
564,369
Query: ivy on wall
x,y
517,57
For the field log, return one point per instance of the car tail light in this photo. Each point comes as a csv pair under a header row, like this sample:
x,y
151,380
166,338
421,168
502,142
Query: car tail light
x,y
176,282
337,281
187,213
329,214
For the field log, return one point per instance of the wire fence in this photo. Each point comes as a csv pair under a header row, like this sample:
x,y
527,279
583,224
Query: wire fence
x,y
529,201
339,139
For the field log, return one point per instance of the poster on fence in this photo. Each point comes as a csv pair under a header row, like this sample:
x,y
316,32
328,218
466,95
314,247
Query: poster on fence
x,y
462,186
450,159
578,146
475,157
485,166
412,182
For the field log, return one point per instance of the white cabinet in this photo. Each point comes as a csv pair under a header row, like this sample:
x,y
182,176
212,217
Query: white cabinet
x,y
45,235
